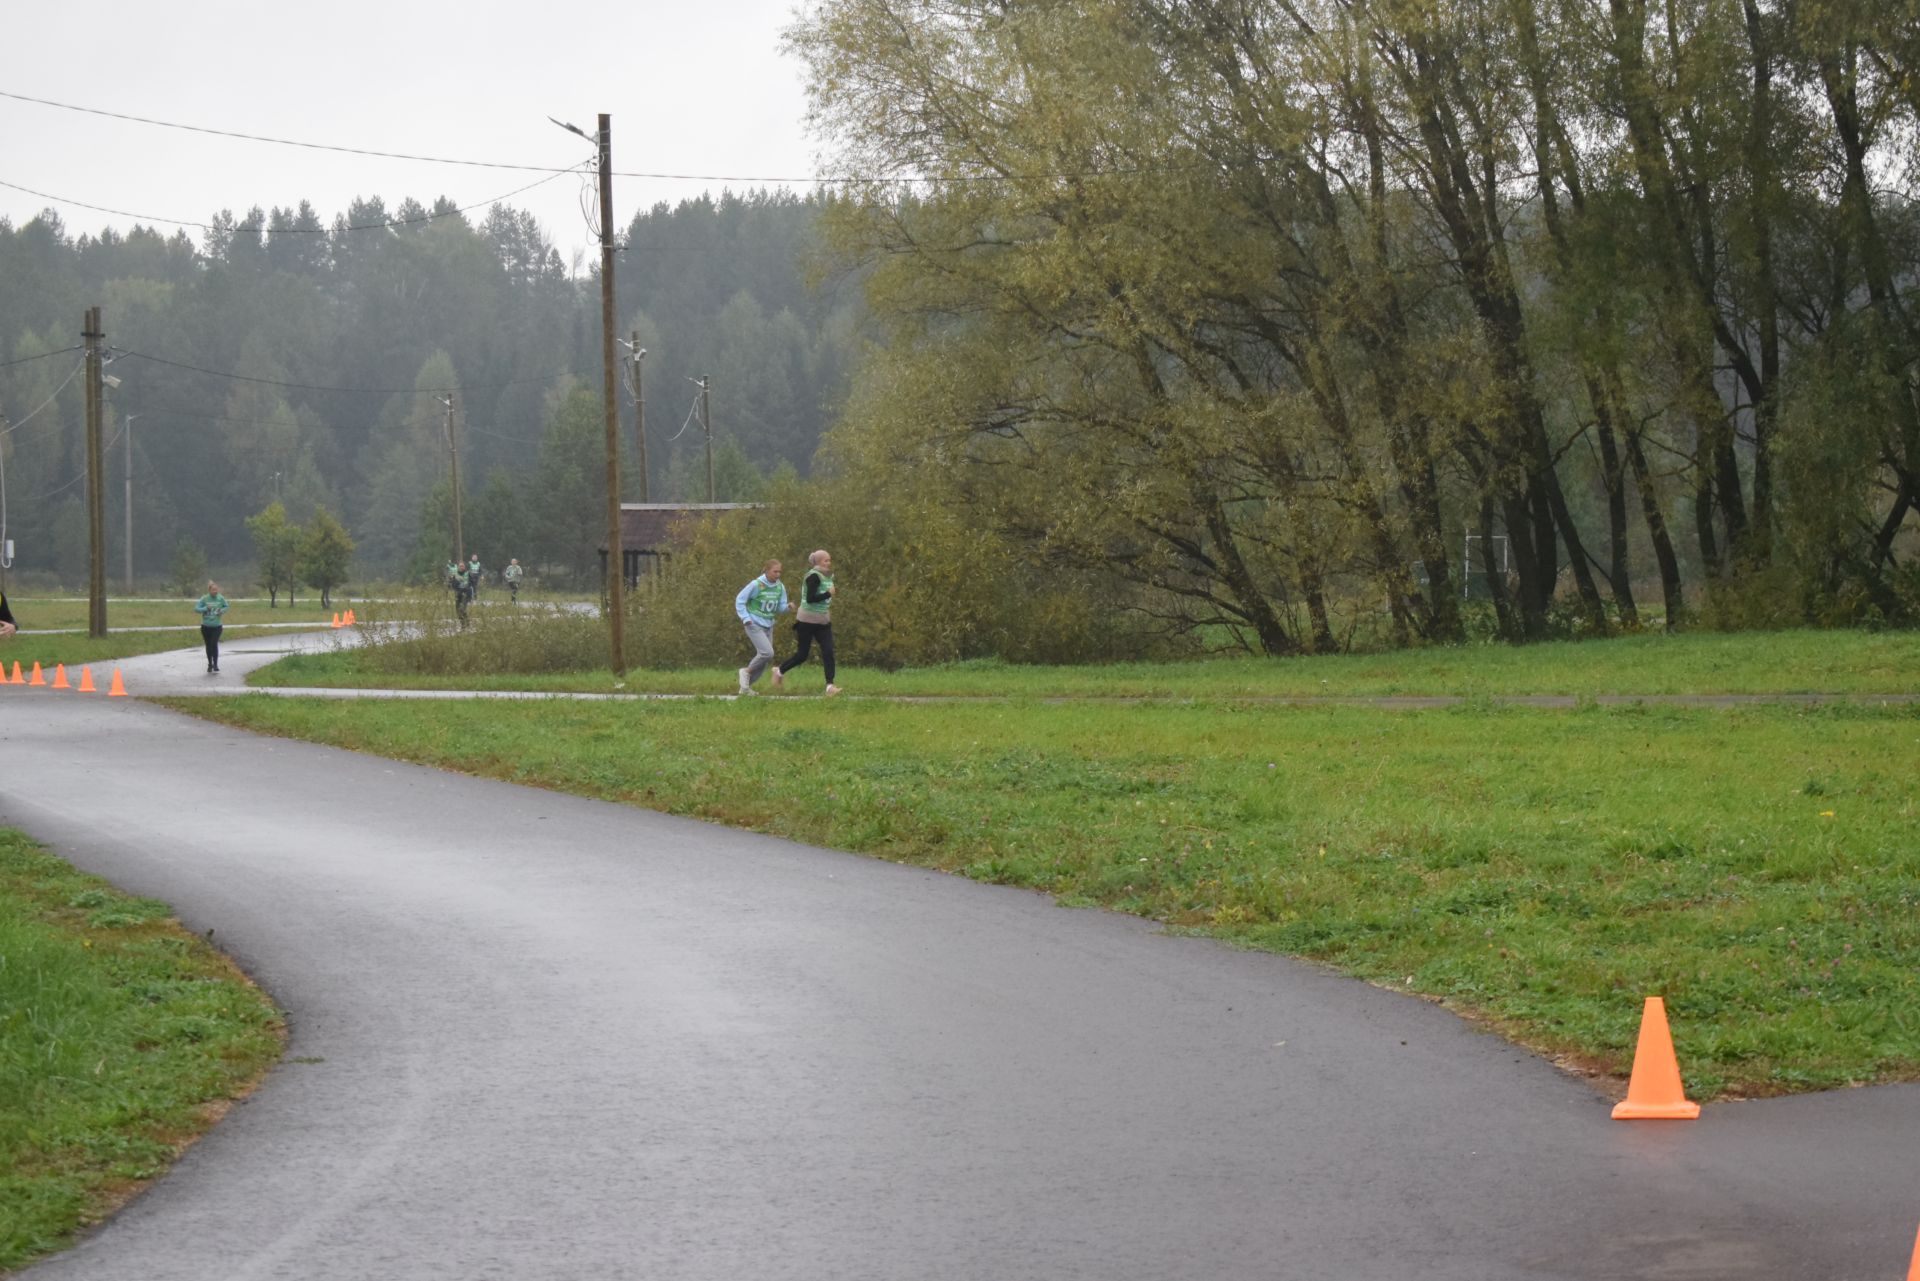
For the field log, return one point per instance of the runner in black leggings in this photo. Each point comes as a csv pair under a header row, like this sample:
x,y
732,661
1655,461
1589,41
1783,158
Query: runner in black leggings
x,y
212,609
813,621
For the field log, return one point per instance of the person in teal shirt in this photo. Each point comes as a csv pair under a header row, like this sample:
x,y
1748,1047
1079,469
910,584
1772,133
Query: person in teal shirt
x,y
758,605
212,609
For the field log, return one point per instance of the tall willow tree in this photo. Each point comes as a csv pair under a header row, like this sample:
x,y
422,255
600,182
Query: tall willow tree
x,y
1265,309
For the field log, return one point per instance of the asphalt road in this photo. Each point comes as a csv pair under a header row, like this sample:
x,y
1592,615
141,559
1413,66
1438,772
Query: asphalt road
x,y
541,1037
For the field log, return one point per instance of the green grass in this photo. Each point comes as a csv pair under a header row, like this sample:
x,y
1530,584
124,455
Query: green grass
x,y
122,1037
1702,663
77,651
1542,870
55,612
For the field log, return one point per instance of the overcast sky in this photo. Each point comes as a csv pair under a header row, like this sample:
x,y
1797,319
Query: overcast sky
x,y
691,89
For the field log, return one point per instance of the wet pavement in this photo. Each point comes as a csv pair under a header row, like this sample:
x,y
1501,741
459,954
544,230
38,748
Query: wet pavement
x,y
536,1036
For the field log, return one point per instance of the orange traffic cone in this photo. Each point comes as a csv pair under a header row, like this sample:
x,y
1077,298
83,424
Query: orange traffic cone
x,y
336,621
38,679
349,620
1913,1269
118,690
86,681
60,677
1654,1091
18,679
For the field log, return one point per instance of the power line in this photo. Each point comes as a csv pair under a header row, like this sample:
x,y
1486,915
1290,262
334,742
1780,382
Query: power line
x,y
77,479
370,391
195,415
500,435
691,411
284,142
48,401
8,364
388,225
806,179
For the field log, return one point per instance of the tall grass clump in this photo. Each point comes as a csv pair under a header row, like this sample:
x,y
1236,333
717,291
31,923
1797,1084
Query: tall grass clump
x,y
419,632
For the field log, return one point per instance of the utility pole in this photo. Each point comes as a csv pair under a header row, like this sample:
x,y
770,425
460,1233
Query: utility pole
x,y
91,333
616,562
640,407
706,427
453,454
129,479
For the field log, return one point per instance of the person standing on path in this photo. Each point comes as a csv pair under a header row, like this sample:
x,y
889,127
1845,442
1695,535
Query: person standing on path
x,y
457,583
814,619
758,605
474,575
512,574
212,609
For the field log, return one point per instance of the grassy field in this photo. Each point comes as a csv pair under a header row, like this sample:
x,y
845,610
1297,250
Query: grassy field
x,y
122,1038
1541,870
1704,663
48,613
75,651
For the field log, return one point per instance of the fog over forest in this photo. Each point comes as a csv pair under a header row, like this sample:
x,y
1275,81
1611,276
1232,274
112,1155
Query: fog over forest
x,y
294,355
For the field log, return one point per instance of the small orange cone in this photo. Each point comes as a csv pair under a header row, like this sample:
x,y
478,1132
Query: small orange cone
x,y
38,679
348,620
86,681
18,679
1913,1269
1654,1091
60,676
118,690
337,622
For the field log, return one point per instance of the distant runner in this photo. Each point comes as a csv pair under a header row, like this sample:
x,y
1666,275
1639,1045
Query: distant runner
x,y
814,621
512,574
758,605
474,575
457,583
212,609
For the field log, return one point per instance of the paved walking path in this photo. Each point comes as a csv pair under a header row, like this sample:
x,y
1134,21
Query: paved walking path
x,y
535,1036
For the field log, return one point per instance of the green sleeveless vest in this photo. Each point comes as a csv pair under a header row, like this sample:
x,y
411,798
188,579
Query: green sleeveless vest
x,y
810,612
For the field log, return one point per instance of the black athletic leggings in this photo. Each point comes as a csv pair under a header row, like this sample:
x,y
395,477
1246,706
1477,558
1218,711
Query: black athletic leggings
x,y
806,634
211,635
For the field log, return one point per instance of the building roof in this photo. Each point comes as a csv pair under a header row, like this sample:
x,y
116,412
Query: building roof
x,y
651,527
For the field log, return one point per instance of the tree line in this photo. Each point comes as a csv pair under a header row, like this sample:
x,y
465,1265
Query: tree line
x,y
1301,319
287,358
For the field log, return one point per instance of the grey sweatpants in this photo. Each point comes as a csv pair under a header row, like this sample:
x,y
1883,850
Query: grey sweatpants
x,y
762,639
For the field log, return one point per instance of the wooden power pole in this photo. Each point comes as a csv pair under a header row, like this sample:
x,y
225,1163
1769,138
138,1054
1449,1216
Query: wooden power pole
x,y
706,428
92,333
640,407
616,562
453,456
128,429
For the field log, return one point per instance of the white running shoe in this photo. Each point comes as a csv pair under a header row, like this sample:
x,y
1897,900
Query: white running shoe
x,y
832,690
744,687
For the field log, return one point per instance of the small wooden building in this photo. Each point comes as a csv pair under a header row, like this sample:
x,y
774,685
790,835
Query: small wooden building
x,y
649,533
